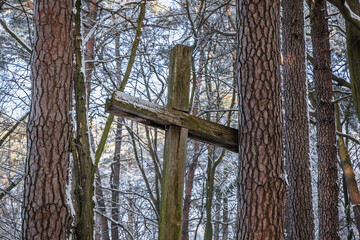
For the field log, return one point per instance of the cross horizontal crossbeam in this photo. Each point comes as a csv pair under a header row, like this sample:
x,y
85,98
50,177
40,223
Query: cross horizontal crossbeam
x,y
122,104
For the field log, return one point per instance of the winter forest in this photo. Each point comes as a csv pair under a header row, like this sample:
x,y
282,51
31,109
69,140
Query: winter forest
x,y
180,120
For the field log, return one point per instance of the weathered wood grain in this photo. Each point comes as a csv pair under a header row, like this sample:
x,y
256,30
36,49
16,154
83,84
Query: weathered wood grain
x,y
151,114
175,148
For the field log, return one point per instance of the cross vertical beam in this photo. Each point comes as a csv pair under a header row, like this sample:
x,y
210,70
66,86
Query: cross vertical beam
x,y
175,146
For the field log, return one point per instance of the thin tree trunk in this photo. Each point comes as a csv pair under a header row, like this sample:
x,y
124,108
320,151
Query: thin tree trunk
x,y
225,220
115,181
211,170
349,174
89,68
353,55
193,166
299,210
140,24
102,208
90,44
131,208
347,210
210,178
46,210
115,167
83,162
261,186
325,124
217,215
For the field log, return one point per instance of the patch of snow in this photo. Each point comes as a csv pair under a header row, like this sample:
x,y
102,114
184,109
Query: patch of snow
x,y
352,14
137,102
69,188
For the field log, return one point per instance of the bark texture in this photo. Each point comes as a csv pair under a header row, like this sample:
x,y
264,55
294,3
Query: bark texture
x,y
46,214
261,192
325,124
300,214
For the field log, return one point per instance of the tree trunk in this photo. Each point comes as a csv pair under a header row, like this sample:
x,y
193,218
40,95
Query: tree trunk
x,y
353,55
300,214
217,215
210,179
46,210
261,186
325,124
115,167
131,209
347,210
89,67
188,192
83,162
90,44
225,222
102,208
193,166
115,181
349,174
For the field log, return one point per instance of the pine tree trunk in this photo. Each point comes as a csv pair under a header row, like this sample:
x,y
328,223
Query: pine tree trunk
x,y
300,214
325,124
261,193
46,214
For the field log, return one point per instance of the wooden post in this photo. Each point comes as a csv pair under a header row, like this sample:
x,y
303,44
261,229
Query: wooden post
x,y
175,146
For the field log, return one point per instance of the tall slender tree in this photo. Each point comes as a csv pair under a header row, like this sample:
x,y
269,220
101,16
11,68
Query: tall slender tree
x,y
46,213
325,123
83,160
261,193
299,194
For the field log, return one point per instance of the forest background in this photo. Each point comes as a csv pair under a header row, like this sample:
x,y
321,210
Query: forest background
x,y
126,46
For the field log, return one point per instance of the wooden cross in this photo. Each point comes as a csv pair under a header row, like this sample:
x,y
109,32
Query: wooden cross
x,y
179,125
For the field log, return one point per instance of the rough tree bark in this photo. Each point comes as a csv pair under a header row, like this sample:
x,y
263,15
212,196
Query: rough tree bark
x,y
300,214
46,213
261,186
325,124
